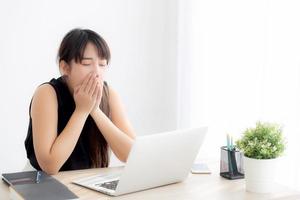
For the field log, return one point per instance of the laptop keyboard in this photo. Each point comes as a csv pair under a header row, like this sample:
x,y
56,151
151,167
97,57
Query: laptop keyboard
x,y
111,185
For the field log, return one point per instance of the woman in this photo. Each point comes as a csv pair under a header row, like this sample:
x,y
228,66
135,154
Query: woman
x,y
76,118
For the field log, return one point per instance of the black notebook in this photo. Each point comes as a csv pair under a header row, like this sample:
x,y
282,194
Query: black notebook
x,y
36,185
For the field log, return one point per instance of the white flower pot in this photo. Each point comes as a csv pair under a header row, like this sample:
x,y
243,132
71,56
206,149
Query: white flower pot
x,y
260,174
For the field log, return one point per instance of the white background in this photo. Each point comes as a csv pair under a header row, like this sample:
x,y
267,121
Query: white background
x,y
142,38
243,66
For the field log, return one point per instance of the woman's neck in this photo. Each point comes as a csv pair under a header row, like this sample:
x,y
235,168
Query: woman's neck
x,y
71,90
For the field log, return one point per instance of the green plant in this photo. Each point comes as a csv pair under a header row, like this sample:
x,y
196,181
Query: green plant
x,y
265,141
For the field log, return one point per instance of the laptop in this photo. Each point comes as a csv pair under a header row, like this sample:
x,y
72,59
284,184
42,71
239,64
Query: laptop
x,y
154,160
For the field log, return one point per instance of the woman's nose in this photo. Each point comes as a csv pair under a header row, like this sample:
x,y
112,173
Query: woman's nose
x,y
96,69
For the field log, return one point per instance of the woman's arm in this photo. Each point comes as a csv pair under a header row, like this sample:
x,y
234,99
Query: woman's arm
x,y
118,131
51,150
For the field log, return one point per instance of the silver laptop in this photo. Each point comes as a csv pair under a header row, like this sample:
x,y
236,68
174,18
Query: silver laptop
x,y
154,160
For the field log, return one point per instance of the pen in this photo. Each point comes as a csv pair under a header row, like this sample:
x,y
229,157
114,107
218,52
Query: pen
x,y
228,153
37,178
231,143
228,142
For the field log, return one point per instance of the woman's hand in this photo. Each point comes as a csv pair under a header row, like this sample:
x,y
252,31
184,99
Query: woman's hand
x,y
99,95
86,94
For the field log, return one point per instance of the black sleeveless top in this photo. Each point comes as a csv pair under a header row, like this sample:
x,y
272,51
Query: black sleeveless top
x,y
79,158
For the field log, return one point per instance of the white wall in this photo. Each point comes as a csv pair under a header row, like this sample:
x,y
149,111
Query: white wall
x,y
245,67
142,38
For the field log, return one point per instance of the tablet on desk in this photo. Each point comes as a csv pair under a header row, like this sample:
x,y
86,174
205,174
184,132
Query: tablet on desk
x,y
200,168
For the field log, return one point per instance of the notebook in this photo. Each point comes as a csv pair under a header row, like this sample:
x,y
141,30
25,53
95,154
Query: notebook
x,y
36,185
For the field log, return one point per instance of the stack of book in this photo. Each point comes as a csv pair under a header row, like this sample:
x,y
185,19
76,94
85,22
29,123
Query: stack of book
x,y
36,185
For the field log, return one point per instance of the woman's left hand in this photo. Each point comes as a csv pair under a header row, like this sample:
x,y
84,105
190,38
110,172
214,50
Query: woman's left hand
x,y
99,96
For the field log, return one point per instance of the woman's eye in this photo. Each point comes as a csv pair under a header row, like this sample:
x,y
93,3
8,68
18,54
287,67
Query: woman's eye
x,y
86,64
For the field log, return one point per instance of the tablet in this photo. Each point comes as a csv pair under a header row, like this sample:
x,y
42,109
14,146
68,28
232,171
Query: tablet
x,y
200,168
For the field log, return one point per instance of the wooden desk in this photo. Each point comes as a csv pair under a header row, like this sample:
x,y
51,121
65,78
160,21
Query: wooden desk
x,y
196,186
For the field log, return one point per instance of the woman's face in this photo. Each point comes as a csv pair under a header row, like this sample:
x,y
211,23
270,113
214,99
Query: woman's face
x,y
91,63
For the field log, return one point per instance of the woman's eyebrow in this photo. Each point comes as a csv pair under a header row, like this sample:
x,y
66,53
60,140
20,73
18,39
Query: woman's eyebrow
x,y
86,58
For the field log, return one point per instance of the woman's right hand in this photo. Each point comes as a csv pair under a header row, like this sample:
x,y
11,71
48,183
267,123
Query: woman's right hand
x,y
85,95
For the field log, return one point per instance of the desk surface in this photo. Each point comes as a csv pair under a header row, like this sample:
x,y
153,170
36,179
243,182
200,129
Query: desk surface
x,y
196,186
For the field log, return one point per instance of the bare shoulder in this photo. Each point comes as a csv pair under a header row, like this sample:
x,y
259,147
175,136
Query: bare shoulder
x,y
115,104
44,89
118,113
112,93
114,98
44,95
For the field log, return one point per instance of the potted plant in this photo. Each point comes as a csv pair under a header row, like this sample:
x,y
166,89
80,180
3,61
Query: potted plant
x,y
261,146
